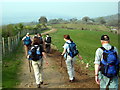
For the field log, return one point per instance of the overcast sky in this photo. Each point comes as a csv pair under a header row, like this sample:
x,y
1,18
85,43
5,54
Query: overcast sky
x,y
14,11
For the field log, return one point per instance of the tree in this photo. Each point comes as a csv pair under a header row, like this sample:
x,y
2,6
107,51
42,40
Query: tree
x,y
92,20
53,21
86,19
38,26
43,20
73,20
8,30
101,20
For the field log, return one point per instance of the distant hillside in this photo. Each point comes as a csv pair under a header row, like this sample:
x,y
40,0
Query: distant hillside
x,y
111,20
111,17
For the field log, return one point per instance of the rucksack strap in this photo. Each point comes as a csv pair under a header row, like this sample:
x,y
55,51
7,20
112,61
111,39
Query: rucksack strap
x,y
103,48
112,48
67,43
105,55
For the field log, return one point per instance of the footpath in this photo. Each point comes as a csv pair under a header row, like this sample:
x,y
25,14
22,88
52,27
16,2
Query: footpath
x,y
54,75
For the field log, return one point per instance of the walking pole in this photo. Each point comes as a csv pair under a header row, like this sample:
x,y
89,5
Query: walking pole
x,y
61,60
29,65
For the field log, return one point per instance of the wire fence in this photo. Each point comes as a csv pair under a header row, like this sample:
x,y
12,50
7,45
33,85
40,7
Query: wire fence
x,y
9,44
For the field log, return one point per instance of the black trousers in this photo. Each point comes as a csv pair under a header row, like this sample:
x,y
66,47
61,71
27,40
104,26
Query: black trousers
x,y
48,47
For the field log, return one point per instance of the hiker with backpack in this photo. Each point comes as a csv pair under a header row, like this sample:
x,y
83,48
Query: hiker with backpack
x,y
27,43
41,39
36,54
106,65
69,52
47,43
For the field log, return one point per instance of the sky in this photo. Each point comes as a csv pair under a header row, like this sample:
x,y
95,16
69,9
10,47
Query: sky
x,y
59,0
31,10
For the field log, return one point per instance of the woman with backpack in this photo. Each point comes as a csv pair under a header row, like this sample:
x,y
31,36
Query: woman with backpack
x,y
69,55
36,54
27,43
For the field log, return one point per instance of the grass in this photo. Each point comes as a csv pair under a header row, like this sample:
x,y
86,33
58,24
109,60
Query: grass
x,y
45,30
87,42
10,67
84,26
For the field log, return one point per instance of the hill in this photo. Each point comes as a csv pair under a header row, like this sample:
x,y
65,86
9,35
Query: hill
x,y
111,20
111,17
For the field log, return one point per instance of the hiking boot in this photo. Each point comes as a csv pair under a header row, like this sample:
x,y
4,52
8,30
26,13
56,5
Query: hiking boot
x,y
73,78
41,82
38,85
71,81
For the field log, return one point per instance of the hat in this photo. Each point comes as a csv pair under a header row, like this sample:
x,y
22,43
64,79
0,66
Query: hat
x,y
27,33
105,37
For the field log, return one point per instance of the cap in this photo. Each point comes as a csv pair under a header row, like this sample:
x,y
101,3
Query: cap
x,y
27,33
105,37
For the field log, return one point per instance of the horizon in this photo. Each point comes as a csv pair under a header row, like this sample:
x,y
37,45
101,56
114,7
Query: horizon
x,y
17,12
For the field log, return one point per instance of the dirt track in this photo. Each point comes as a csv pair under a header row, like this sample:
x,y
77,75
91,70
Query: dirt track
x,y
54,75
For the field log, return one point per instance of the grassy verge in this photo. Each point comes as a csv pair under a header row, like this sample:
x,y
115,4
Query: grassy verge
x,y
10,67
87,42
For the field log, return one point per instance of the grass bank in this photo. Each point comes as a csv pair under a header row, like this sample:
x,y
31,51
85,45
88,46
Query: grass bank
x,y
11,66
87,42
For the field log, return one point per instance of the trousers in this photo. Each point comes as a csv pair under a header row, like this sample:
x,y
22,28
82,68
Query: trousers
x,y
105,82
38,70
70,67
48,47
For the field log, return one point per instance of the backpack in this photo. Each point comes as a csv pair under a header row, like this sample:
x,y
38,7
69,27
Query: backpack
x,y
41,40
72,49
27,41
110,63
35,53
48,40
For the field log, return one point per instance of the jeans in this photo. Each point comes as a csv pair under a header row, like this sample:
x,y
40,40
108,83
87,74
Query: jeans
x,y
70,67
38,69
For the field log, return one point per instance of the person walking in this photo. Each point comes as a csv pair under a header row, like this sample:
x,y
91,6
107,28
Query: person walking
x,y
41,39
106,65
69,53
47,43
27,43
36,35
36,54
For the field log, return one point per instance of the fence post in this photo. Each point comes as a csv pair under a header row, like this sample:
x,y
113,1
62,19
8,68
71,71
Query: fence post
x,y
19,36
3,45
16,40
9,44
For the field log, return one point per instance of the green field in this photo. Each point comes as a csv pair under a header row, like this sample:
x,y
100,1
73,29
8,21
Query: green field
x,y
84,26
87,42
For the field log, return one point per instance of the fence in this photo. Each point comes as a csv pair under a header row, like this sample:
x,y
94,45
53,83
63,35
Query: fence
x,y
9,44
